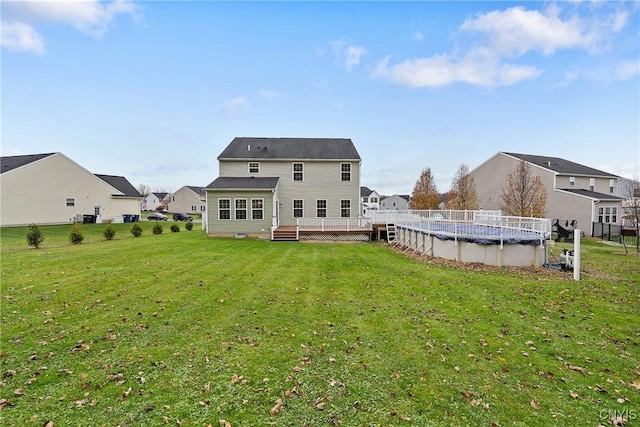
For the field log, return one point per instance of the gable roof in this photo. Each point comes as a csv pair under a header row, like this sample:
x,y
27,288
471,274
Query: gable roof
x,y
559,165
592,194
290,148
13,162
365,191
402,196
199,190
121,184
160,196
235,182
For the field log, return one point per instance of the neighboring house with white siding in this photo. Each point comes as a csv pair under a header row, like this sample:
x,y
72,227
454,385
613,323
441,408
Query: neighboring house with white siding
x,y
189,199
51,188
397,202
369,200
574,191
154,200
265,183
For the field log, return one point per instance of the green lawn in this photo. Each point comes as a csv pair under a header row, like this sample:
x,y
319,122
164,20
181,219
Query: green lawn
x,y
181,328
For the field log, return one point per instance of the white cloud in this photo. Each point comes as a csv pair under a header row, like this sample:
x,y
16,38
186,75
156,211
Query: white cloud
x,y
19,37
350,54
91,17
354,53
506,35
418,36
234,105
627,70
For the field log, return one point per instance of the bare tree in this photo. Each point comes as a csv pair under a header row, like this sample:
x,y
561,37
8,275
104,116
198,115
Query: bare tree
x,y
525,194
463,191
631,207
425,193
144,190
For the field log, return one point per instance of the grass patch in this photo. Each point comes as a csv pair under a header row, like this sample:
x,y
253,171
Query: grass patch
x,y
178,326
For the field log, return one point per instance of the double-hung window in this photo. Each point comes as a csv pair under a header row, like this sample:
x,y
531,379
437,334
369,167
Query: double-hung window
x,y
345,172
298,208
257,208
572,181
321,208
611,185
592,184
345,208
224,208
241,208
298,171
254,167
70,201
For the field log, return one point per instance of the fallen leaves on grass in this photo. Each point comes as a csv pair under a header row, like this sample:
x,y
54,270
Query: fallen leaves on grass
x,y
535,405
573,394
276,409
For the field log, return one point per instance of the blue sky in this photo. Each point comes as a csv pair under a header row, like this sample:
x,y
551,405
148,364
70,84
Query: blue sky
x,y
154,91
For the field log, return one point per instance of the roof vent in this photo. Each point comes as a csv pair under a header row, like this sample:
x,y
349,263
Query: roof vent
x,y
549,163
248,147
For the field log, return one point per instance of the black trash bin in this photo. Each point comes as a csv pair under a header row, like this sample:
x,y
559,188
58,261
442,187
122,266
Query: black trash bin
x,y
88,219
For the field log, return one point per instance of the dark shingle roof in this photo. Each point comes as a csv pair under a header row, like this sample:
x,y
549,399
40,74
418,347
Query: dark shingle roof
x,y
199,190
235,182
121,184
592,194
365,191
290,148
562,166
13,162
404,196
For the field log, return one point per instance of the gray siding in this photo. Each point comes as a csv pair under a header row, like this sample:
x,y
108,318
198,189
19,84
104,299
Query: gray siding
x,y
231,226
322,181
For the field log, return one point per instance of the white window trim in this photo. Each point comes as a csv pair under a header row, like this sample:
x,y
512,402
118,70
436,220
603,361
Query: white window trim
x,y
257,209
342,208
293,171
71,200
350,172
293,208
326,208
225,209
237,209
253,163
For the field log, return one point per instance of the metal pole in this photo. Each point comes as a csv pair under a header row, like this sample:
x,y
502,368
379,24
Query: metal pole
x,y
576,255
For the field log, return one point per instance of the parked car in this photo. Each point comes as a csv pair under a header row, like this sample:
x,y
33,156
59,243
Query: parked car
x,y
157,216
181,216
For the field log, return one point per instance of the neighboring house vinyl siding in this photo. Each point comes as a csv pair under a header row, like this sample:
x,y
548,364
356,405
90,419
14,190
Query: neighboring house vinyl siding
x,y
186,198
491,177
38,193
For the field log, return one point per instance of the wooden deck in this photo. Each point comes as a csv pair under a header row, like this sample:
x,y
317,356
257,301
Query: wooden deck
x,y
288,233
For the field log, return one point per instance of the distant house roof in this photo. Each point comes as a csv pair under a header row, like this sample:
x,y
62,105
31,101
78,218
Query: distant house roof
x,y
121,184
199,190
404,196
160,196
290,148
365,191
592,194
228,182
13,162
562,166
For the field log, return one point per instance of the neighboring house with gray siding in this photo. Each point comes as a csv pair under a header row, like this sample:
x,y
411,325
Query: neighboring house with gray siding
x,y
189,199
397,202
269,182
51,188
574,191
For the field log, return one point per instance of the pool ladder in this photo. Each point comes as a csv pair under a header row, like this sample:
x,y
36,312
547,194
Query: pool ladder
x,y
391,233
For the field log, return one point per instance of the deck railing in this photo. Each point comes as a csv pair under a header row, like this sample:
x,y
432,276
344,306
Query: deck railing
x,y
334,224
460,223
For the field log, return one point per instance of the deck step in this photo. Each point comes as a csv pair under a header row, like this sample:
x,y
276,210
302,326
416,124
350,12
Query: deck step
x,y
284,235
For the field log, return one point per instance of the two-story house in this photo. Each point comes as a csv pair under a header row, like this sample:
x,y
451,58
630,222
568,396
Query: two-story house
x,y
189,199
265,183
51,188
397,202
369,200
153,201
574,191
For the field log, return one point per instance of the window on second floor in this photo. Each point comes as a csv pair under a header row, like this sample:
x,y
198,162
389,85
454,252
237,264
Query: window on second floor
x,y
70,201
592,184
612,183
345,172
254,167
572,181
298,171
